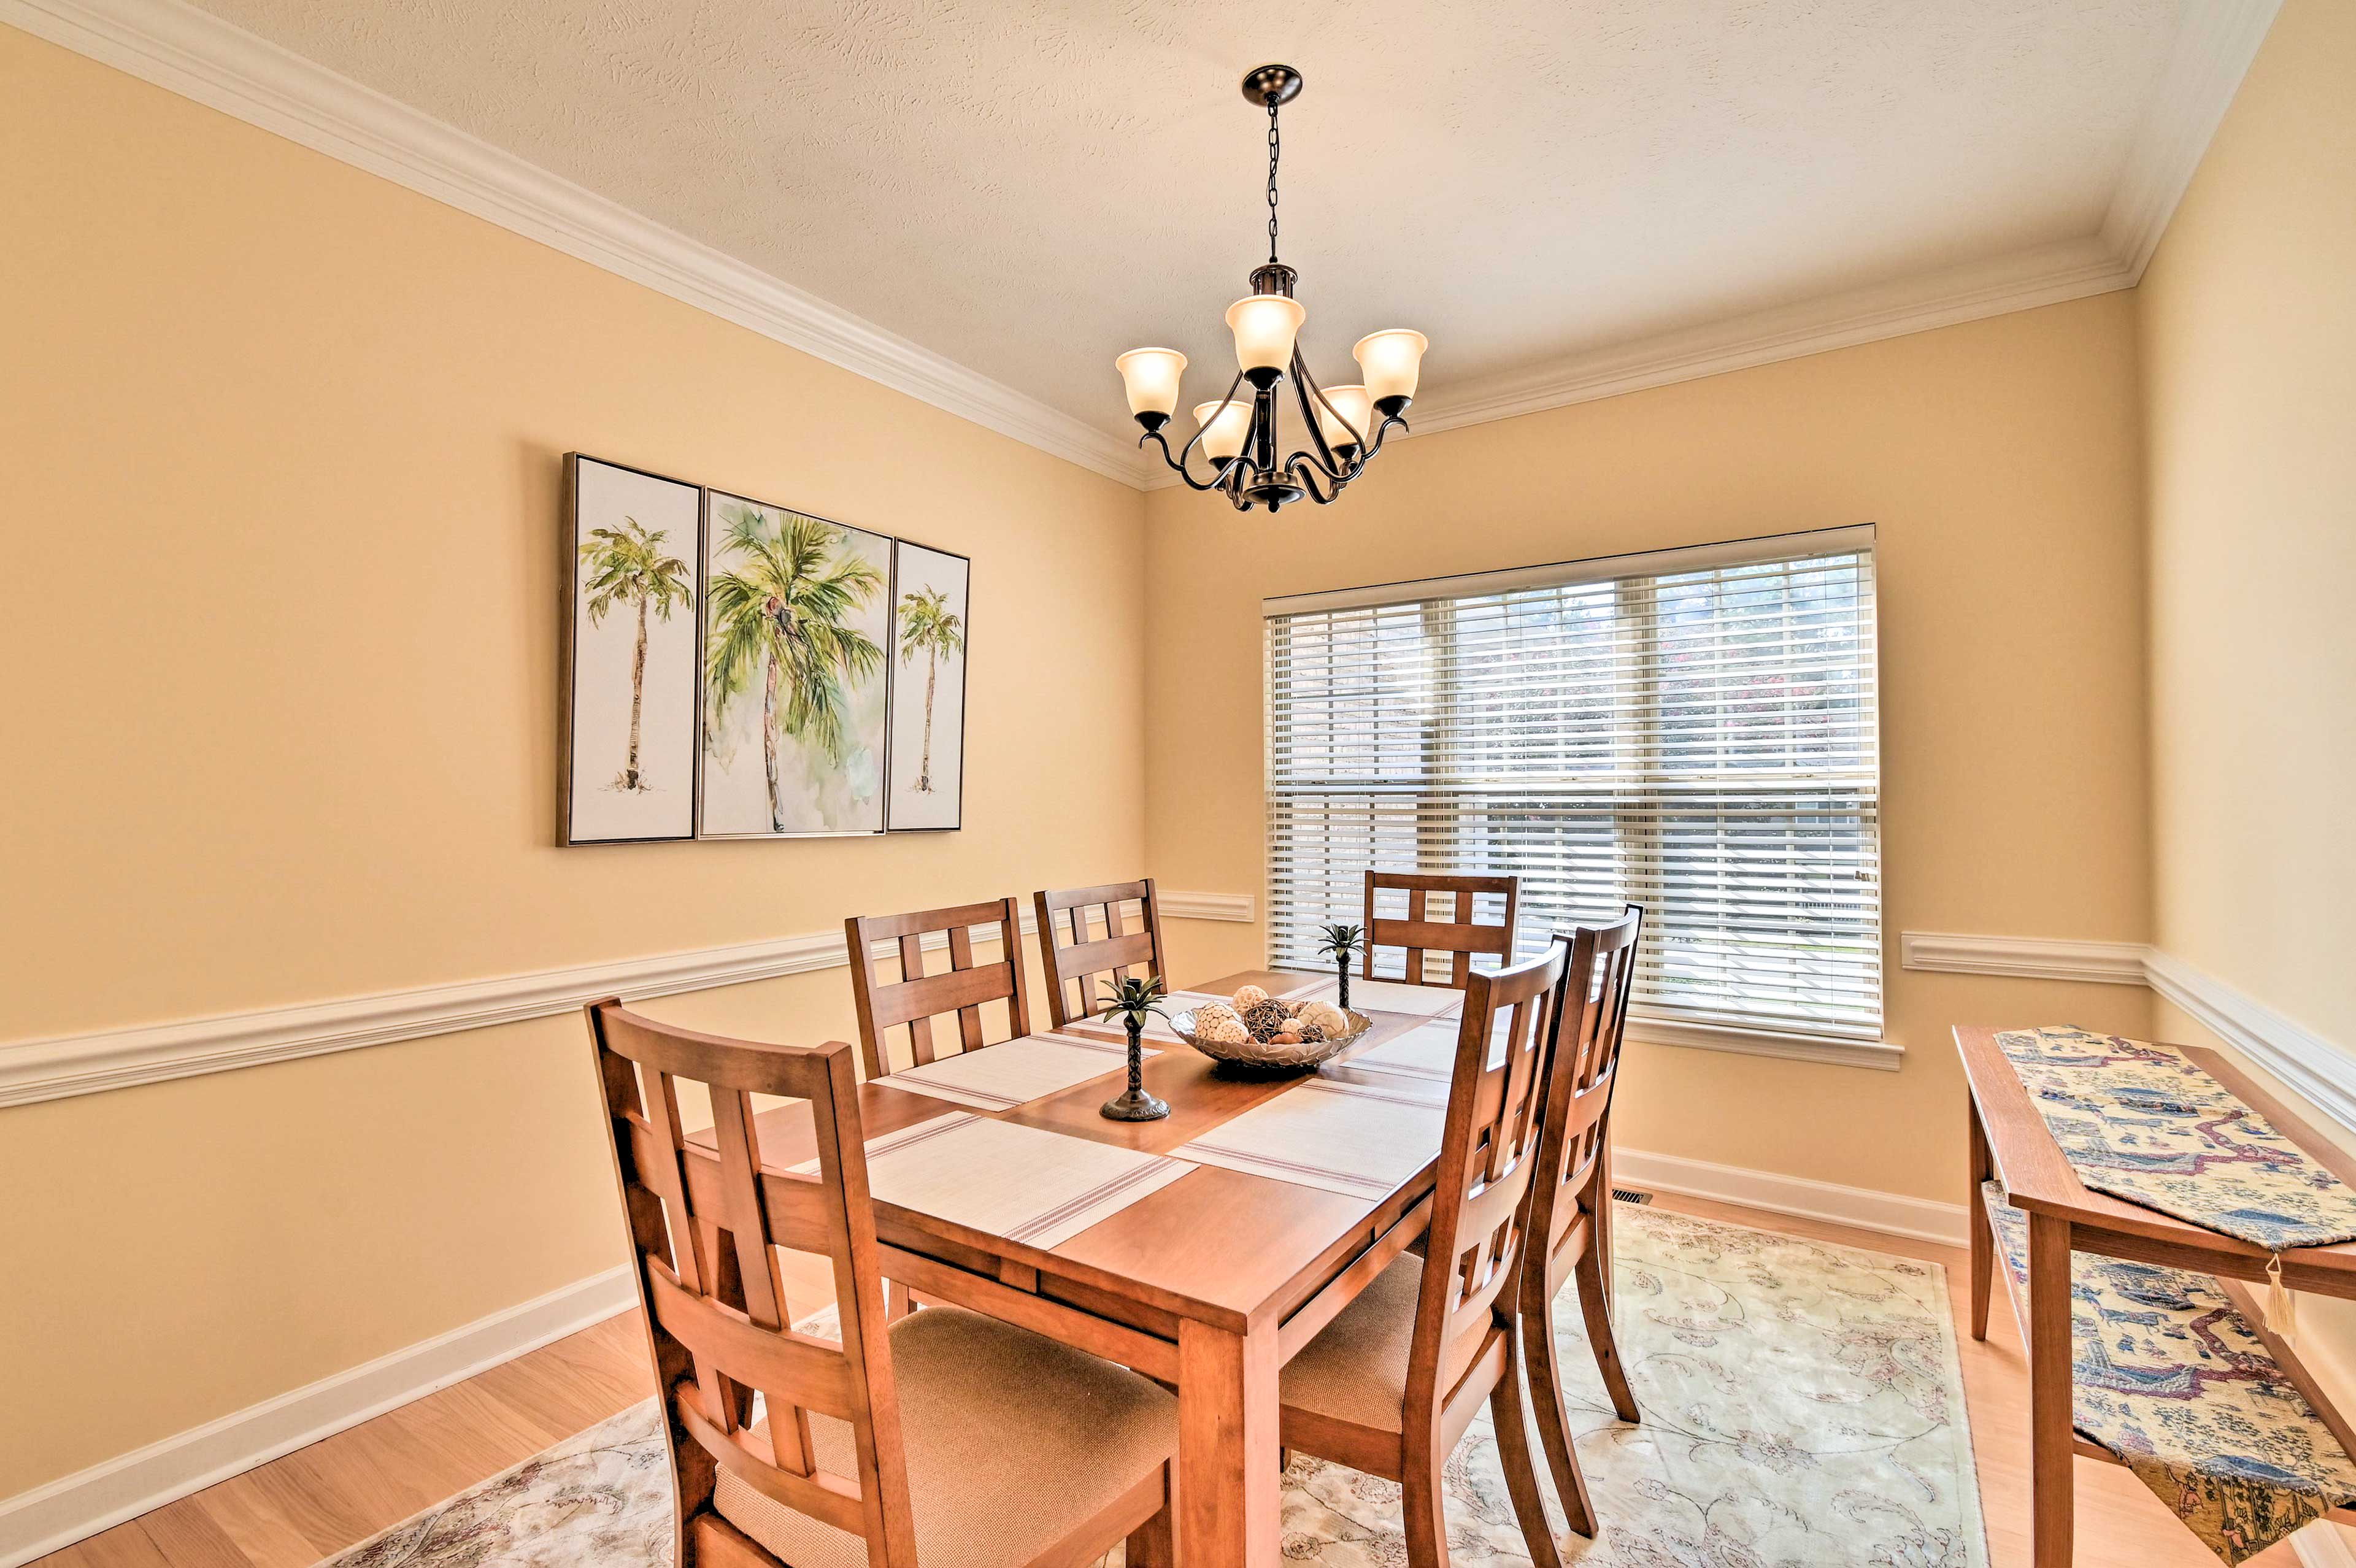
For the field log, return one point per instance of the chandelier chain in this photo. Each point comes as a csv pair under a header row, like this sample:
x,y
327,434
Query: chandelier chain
x,y
1275,146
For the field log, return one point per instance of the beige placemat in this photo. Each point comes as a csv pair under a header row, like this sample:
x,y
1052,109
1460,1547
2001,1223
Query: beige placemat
x,y
1014,1072
1022,1183
1358,1139
1388,997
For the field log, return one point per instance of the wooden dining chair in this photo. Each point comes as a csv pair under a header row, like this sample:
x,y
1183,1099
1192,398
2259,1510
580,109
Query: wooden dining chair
x,y
1389,1385
947,1438
1072,954
1571,1197
916,998
1460,935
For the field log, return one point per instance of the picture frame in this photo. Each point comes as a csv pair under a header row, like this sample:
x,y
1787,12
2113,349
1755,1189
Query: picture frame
x,y
631,684
794,718
932,610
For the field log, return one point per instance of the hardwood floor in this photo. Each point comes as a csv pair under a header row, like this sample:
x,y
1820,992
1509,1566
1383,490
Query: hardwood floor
x,y
318,1500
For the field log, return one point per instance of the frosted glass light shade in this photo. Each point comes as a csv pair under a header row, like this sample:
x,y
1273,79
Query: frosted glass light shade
x,y
1391,360
1150,378
1223,429
1354,405
1265,326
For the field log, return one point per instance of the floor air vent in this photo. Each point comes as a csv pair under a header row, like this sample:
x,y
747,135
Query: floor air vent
x,y
1630,1195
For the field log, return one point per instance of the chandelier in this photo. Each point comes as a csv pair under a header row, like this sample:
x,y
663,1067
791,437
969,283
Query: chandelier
x,y
1345,425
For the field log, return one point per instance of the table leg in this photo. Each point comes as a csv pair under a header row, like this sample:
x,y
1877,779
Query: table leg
x,y
1227,1415
1982,1234
2050,1449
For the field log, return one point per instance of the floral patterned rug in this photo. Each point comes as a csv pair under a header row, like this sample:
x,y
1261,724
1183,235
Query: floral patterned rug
x,y
1803,1407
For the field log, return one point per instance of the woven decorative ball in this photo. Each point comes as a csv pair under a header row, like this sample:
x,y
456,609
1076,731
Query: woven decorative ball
x,y
1328,1018
1264,1018
1310,1033
1211,1013
1247,997
1227,1030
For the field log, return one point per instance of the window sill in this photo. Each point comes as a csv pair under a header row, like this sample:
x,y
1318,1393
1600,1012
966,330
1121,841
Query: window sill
x,y
1837,1049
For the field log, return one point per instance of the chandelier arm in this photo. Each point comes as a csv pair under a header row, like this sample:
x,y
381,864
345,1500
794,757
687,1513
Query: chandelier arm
x,y
1304,387
1177,464
1305,471
1221,472
1381,430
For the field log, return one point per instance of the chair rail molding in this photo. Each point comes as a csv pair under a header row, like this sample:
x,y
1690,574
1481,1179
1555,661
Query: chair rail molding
x,y
222,66
2310,1066
2024,957
60,1067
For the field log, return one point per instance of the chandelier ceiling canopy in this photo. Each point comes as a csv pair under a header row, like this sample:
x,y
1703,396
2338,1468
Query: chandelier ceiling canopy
x,y
1237,432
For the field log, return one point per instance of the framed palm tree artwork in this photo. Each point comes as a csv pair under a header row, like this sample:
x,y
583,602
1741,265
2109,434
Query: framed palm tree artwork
x,y
796,684
930,595
627,768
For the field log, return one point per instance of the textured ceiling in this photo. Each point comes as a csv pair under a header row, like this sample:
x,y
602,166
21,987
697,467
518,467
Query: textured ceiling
x,y
1030,188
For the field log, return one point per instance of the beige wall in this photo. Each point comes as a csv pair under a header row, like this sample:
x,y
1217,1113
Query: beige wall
x,y
2248,316
2000,460
2249,327
282,505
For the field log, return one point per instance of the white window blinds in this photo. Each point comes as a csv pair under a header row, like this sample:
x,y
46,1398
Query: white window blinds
x,y
1691,730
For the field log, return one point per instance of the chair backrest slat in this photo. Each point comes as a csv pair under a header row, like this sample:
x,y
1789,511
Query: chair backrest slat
x,y
916,999
1462,936
1593,1007
1488,1156
706,1217
1076,957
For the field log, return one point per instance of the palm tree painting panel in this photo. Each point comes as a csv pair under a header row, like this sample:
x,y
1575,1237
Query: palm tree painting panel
x,y
796,682
630,675
928,635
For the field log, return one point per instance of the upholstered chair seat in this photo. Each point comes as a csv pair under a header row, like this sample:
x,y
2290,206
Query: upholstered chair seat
x,y
1013,1441
1355,1369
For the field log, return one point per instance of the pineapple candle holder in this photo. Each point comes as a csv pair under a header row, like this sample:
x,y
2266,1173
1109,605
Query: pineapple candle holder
x,y
1132,1001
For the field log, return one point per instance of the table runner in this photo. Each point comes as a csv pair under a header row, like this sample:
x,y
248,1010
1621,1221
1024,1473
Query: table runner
x,y
2168,1377
1384,995
1022,1183
1013,1073
2145,1124
1361,1140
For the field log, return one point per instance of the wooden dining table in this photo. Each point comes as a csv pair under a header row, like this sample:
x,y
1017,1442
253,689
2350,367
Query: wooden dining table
x,y
1209,1284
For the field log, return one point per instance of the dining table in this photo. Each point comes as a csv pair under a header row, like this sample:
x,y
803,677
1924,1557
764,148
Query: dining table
x,y
1208,1283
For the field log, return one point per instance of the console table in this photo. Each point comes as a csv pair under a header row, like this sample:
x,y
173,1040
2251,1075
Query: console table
x,y
2010,1146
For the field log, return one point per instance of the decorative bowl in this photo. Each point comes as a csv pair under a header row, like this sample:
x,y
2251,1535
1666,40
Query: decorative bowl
x,y
1266,1055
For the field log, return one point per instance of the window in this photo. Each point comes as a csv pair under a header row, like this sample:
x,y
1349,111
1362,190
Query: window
x,y
1693,730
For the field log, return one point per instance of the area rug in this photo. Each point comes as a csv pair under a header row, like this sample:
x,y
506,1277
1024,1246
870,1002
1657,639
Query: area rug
x,y
1803,1406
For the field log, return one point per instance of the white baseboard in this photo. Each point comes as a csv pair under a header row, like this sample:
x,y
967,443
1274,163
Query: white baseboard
x,y
1916,1218
2323,1544
72,1507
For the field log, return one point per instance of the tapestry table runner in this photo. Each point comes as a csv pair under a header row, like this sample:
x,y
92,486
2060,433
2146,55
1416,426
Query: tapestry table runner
x,y
2168,1377
2145,1124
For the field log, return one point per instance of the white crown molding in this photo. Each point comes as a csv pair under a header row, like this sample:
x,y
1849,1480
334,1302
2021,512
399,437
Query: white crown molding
x,y
59,1068
49,1518
201,57
2025,957
1206,906
2213,52
2046,275
1891,1213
